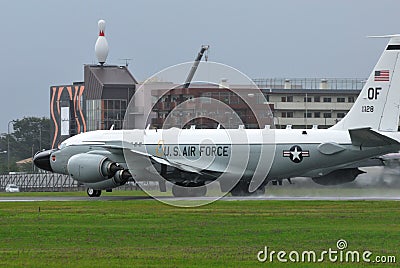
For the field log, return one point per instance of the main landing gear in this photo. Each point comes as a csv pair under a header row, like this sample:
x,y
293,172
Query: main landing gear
x,y
242,189
93,193
189,190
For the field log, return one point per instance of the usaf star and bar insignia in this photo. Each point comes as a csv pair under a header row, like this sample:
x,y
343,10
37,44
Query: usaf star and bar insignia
x,y
296,154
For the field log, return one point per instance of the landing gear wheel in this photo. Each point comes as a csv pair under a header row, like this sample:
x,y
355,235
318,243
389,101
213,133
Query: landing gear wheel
x,y
239,192
189,191
177,191
92,192
260,191
242,189
201,191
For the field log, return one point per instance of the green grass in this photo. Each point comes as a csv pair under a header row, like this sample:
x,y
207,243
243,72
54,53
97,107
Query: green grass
x,y
273,191
225,233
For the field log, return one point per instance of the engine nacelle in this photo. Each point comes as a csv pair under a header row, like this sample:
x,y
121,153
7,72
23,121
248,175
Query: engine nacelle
x,y
91,168
120,178
339,176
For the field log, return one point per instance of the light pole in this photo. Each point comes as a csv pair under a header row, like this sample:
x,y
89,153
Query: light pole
x,y
40,138
8,146
33,165
3,152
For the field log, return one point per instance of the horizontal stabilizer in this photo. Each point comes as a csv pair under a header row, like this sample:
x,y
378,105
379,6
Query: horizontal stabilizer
x,y
366,137
384,36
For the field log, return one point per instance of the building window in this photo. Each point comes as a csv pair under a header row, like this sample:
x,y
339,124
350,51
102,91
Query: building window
x,y
102,114
350,99
341,100
205,97
289,114
340,115
224,97
317,99
327,115
287,99
317,114
326,99
307,99
307,115
284,114
233,98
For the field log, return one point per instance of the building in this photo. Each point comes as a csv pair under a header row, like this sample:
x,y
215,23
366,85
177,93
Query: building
x,y
298,103
67,111
210,105
99,102
108,92
304,103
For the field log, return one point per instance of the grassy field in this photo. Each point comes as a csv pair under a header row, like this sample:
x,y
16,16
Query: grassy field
x,y
224,234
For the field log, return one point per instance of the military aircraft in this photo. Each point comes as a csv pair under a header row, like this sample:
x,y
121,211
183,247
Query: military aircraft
x,y
242,160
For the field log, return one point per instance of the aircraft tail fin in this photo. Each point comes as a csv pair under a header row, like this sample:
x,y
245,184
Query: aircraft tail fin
x,y
378,104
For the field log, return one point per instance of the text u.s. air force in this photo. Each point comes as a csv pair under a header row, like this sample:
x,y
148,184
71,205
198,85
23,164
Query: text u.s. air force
x,y
193,151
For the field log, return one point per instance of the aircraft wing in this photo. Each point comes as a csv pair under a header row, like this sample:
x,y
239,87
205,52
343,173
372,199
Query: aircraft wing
x,y
366,137
118,149
176,164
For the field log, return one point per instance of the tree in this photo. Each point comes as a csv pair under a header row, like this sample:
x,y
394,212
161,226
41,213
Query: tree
x,y
31,134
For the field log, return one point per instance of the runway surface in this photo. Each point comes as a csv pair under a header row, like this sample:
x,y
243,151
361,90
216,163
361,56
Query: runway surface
x,y
140,198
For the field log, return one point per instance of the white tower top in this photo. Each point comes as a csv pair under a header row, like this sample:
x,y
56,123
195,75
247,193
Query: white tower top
x,y
101,47
102,26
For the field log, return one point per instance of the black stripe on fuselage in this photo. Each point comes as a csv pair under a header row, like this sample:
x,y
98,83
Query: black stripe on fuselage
x,y
393,47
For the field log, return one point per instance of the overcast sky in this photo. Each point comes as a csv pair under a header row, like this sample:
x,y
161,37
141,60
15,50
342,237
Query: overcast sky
x,y
46,43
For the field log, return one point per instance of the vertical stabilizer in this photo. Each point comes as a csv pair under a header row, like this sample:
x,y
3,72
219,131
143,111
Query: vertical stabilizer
x,y
377,106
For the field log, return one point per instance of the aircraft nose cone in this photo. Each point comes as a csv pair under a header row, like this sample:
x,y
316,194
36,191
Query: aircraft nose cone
x,y
42,160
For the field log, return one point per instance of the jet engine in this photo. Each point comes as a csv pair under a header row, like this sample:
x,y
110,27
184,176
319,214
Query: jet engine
x,y
93,168
120,178
339,176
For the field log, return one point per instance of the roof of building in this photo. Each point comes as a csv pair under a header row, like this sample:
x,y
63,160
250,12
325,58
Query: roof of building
x,y
24,161
314,91
112,75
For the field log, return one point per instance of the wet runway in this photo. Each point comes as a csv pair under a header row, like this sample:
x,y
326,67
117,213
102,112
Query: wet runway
x,y
229,198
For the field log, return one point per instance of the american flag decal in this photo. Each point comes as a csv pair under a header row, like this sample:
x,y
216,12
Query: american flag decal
x,y
382,75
